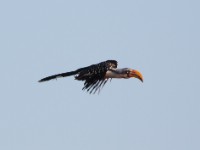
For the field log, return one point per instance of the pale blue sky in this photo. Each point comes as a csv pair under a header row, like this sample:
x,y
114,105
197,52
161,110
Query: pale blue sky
x,y
159,38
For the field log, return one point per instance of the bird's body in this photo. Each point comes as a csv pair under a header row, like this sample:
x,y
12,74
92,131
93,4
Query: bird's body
x,y
96,75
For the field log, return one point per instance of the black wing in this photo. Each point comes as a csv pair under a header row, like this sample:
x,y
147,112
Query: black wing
x,y
94,75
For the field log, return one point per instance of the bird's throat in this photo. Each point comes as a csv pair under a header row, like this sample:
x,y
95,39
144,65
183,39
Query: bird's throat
x,y
115,73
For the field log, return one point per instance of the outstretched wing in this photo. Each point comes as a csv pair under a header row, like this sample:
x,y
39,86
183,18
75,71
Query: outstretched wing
x,y
94,75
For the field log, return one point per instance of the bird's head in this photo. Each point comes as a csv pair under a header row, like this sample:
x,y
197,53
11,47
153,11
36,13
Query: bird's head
x,y
133,73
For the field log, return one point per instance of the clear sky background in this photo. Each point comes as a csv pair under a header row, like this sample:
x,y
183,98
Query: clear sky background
x,y
43,37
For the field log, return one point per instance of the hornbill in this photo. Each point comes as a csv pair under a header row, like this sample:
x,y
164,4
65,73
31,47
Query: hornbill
x,y
95,76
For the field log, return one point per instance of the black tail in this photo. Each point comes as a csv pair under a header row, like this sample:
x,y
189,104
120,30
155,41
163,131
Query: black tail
x,y
58,75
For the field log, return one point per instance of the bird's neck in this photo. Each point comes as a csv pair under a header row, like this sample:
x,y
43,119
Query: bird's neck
x,y
115,73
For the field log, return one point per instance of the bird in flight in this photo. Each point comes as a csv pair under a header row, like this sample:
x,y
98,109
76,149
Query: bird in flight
x,y
95,76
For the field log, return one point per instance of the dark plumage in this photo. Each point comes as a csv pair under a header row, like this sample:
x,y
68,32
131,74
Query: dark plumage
x,y
93,75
